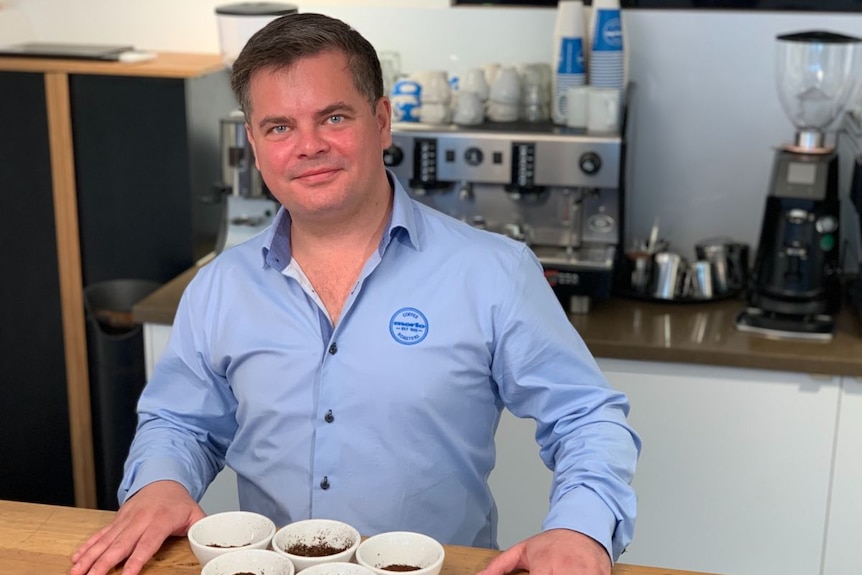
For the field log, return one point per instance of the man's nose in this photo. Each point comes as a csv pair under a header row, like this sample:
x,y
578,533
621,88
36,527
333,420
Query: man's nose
x,y
311,141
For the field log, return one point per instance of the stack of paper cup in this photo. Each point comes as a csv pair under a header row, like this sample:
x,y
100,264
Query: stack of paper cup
x,y
607,55
569,62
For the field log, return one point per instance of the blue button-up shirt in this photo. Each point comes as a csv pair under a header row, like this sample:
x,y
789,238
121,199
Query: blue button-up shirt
x,y
386,420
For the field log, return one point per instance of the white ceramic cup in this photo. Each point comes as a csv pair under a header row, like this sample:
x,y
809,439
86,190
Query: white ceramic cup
x,y
435,87
506,88
603,110
474,81
434,113
577,106
469,109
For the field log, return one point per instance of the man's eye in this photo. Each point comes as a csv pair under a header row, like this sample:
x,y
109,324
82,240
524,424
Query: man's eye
x,y
336,119
278,129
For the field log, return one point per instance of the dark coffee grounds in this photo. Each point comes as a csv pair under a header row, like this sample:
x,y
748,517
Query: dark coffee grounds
x,y
318,548
401,567
218,546
245,573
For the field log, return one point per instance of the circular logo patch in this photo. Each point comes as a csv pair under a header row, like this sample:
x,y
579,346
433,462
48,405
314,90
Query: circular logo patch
x,y
408,326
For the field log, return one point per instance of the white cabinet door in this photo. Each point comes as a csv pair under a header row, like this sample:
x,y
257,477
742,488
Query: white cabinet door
x,y
520,481
843,554
155,341
735,469
733,477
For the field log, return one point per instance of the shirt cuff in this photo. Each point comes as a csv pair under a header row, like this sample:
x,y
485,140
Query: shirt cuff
x,y
583,511
157,469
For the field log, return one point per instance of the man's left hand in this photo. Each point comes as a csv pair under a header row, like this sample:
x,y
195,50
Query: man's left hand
x,y
553,552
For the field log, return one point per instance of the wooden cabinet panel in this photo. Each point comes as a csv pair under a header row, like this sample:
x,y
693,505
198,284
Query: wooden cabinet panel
x,y
128,151
34,411
146,152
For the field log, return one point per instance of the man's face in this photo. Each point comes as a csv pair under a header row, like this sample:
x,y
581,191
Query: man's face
x,y
318,143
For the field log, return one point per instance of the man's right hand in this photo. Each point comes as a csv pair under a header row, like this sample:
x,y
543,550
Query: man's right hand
x,y
142,524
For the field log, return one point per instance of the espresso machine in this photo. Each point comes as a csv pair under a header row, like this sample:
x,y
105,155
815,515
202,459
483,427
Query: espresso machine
x,y
248,205
797,272
557,189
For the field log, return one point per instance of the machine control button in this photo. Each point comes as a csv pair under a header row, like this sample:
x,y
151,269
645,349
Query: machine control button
x,y
797,216
827,242
450,156
473,156
393,156
498,157
826,225
601,223
590,163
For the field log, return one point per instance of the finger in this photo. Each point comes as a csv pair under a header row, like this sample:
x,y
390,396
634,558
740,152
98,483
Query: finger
x,y
102,555
506,562
93,540
134,546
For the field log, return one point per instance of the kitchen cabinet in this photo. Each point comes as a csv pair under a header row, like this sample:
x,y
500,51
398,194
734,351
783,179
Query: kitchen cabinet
x,y
842,555
734,475
103,165
33,367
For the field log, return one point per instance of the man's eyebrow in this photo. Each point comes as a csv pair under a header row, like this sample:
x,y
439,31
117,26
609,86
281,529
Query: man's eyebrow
x,y
270,120
336,107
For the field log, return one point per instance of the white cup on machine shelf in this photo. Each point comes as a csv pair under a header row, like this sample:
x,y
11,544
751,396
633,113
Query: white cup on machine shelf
x,y
577,106
603,110
469,109
505,96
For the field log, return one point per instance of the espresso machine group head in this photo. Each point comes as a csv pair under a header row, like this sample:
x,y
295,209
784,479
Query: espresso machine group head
x,y
797,272
556,189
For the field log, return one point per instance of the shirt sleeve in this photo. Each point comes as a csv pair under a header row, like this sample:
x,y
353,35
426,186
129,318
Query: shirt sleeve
x,y
544,371
186,412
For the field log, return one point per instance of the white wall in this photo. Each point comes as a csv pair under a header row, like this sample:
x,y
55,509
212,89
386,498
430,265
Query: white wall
x,y
707,113
14,24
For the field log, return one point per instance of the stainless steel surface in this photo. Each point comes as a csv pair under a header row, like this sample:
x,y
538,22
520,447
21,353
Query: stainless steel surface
x,y
248,207
809,139
239,174
715,252
701,273
555,188
668,273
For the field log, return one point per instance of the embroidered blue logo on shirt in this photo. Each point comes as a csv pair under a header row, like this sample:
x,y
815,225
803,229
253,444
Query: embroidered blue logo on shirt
x,y
408,326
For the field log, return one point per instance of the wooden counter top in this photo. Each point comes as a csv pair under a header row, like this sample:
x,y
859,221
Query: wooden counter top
x,y
40,539
164,65
650,331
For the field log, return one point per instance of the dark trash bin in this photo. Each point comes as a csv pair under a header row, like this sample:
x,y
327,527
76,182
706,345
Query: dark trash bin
x,y
115,349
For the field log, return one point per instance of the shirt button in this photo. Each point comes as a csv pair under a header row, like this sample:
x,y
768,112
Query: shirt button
x,y
333,349
329,418
325,483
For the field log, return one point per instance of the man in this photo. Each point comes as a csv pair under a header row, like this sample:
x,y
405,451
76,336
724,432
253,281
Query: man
x,y
352,361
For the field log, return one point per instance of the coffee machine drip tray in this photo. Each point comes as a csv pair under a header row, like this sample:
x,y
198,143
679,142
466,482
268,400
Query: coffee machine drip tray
x,y
818,327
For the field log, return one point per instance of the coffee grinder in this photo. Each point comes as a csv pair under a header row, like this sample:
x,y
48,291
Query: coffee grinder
x,y
796,286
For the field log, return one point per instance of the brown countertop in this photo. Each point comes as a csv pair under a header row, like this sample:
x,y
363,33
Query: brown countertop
x,y
164,65
40,539
703,333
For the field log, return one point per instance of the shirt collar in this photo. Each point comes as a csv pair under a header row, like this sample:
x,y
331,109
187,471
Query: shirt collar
x,y
402,227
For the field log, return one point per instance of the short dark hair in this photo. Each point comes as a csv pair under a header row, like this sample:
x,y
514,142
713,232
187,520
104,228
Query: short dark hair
x,y
289,38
